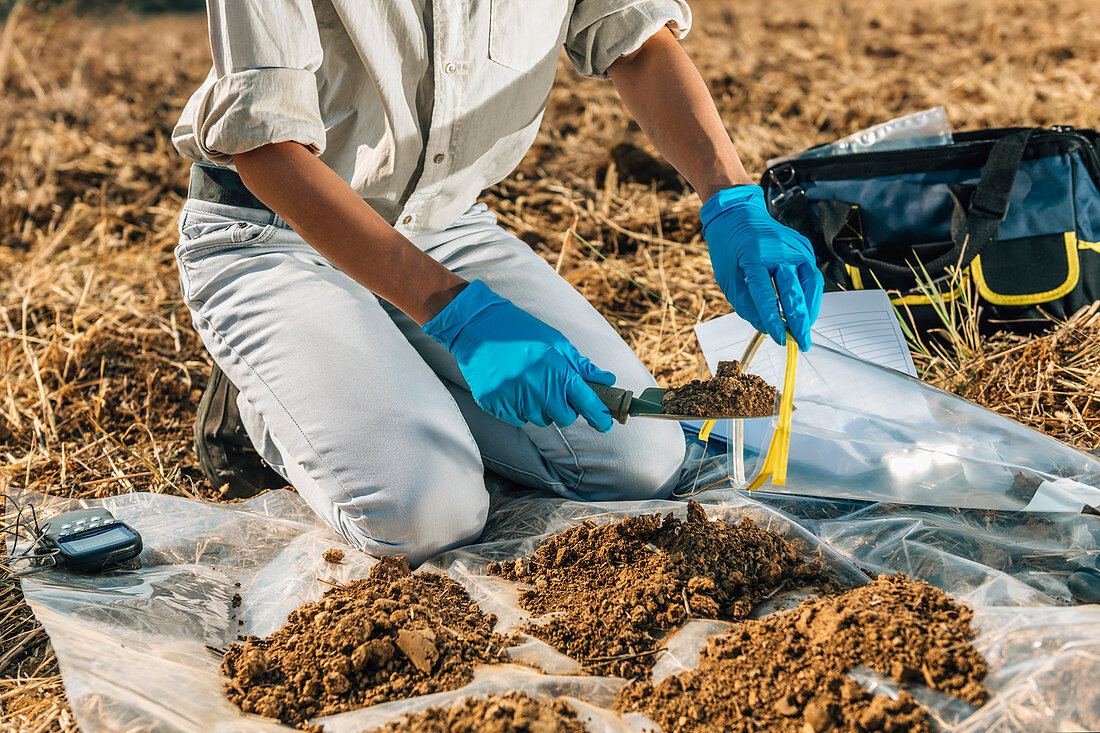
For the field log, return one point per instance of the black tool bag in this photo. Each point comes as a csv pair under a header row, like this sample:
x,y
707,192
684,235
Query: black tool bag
x,y
1012,213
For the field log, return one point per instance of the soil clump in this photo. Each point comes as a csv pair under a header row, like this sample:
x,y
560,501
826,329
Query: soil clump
x,y
333,555
512,712
730,392
618,589
786,672
392,635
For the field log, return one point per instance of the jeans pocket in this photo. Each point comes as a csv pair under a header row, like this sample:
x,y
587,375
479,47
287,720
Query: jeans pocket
x,y
203,236
202,233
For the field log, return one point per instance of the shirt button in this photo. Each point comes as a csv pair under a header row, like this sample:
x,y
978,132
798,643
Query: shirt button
x,y
406,220
438,157
449,68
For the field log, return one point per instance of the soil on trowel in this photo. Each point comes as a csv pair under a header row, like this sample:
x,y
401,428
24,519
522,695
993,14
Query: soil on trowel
x,y
392,635
512,712
787,671
618,589
730,392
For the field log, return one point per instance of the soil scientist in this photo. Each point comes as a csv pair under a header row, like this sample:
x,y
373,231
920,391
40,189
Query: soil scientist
x,y
381,337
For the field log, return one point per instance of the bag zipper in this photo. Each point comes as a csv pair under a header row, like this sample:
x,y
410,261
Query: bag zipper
x,y
916,160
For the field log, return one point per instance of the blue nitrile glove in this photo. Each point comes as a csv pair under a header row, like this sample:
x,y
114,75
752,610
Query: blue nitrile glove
x,y
518,368
749,250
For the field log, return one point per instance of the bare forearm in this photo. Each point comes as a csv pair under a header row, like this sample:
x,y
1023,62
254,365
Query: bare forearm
x,y
664,92
336,222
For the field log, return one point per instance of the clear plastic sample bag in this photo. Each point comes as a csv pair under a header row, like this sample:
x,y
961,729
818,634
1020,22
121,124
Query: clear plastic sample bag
x,y
865,432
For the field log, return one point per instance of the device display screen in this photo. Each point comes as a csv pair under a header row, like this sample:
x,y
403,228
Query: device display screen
x,y
103,538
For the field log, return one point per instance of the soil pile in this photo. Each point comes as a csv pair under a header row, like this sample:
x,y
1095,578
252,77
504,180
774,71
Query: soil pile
x,y
619,588
730,392
392,635
786,672
513,712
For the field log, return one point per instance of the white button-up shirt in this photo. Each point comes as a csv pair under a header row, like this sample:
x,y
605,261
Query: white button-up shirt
x,y
418,104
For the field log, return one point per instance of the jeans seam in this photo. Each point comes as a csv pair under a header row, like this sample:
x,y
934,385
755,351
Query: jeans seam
x,y
461,418
574,487
576,460
320,459
535,478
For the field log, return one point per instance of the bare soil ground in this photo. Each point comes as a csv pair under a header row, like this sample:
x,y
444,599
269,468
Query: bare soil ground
x,y
616,590
512,712
100,370
392,635
614,593
786,672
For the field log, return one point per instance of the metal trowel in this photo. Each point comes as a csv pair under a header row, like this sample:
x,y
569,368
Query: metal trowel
x,y
623,403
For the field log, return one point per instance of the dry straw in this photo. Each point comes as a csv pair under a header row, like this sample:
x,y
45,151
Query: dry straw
x,y
100,369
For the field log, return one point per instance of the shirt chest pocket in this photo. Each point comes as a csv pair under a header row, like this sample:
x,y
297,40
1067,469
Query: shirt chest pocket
x,y
526,33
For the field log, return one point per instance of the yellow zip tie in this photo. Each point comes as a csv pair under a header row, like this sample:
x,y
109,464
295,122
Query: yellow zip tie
x,y
775,460
704,433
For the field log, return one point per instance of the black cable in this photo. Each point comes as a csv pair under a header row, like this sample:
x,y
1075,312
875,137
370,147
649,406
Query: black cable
x,y
34,529
31,528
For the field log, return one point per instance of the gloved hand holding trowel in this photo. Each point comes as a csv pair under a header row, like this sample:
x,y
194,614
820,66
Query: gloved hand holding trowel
x,y
379,339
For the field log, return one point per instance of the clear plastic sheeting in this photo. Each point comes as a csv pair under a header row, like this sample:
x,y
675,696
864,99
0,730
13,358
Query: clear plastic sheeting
x,y
138,647
861,431
920,129
981,557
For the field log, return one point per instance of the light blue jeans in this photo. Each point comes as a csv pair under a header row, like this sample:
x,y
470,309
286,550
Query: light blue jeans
x,y
370,419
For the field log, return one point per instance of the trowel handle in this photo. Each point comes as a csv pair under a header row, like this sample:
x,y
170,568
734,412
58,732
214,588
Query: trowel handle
x,y
617,400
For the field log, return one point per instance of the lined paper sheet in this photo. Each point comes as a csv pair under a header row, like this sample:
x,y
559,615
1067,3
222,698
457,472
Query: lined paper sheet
x,y
864,323
860,321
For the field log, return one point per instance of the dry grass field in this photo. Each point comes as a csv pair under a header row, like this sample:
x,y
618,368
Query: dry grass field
x,y
100,370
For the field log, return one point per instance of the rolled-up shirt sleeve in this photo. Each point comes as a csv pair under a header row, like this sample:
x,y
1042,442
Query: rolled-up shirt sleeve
x,y
601,31
263,87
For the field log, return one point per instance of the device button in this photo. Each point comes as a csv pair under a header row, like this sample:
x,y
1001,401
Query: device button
x,y
65,526
79,521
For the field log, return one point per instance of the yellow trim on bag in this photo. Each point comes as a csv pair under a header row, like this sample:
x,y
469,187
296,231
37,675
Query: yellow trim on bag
x,y
1094,246
1072,276
954,294
855,275
857,284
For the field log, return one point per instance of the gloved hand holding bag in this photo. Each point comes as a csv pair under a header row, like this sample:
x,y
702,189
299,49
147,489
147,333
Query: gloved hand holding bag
x,y
750,251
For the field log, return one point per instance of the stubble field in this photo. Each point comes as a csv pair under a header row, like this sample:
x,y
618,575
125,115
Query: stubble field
x,y
100,370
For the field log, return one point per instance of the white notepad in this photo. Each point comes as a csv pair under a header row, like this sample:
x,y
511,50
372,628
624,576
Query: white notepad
x,y
861,321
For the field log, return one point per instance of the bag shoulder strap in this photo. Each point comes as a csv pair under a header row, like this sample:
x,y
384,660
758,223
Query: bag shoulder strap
x,y
989,203
975,223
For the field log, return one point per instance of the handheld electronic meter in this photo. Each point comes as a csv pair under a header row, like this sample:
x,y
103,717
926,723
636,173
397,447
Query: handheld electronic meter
x,y
89,540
